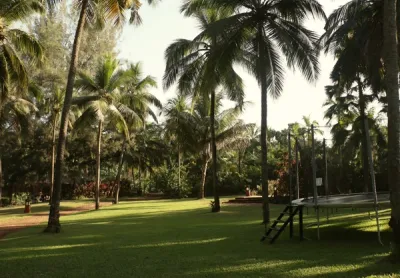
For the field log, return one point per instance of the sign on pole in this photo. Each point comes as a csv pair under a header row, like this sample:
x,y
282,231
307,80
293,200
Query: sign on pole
x,y
319,181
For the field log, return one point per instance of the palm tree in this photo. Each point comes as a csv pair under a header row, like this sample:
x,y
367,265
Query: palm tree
x,y
14,82
177,110
53,104
201,66
146,150
15,42
137,98
390,32
348,38
262,29
230,131
108,92
109,11
15,113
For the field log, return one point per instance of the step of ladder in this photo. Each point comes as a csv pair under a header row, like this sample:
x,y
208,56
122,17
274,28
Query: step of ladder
x,y
289,210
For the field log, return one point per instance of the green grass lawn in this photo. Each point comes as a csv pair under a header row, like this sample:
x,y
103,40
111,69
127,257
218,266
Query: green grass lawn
x,y
182,239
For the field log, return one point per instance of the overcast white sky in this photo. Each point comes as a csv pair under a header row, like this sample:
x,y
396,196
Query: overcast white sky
x,y
163,24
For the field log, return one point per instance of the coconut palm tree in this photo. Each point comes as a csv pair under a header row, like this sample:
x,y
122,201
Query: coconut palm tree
x,y
52,104
229,133
136,97
107,99
263,30
15,114
14,83
390,31
200,66
351,33
146,150
90,12
176,111
15,42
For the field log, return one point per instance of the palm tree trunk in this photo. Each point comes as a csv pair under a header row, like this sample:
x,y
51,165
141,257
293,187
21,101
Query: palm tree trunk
x,y
98,152
263,139
133,175
203,177
362,107
1,183
120,164
239,162
179,171
217,206
53,225
140,174
392,92
53,157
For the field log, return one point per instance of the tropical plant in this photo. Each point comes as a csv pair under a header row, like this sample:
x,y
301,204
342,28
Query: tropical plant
x,y
136,96
263,29
15,113
201,66
15,42
109,97
230,131
14,82
176,111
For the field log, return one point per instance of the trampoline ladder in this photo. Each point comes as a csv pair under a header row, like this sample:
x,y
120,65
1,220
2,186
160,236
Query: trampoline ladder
x,y
274,230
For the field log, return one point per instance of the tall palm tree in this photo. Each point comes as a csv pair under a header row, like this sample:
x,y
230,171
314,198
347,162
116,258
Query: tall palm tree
x,y
201,66
263,29
53,103
106,93
176,111
107,11
349,33
136,96
14,82
390,31
229,133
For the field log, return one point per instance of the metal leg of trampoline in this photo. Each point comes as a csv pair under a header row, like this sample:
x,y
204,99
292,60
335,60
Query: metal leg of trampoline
x,y
291,222
327,215
318,223
301,231
378,225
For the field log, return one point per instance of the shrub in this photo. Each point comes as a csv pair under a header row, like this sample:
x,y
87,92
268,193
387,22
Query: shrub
x,y
19,198
166,180
5,201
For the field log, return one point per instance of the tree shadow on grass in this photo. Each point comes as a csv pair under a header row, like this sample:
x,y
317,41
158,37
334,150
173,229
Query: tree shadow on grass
x,y
186,243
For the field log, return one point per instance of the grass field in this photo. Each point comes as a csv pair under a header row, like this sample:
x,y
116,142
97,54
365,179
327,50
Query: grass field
x,y
182,239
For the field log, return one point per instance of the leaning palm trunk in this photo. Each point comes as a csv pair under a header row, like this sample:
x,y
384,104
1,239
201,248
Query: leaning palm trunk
x,y
98,153
53,157
217,206
1,182
263,139
392,92
53,225
203,177
362,106
118,178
